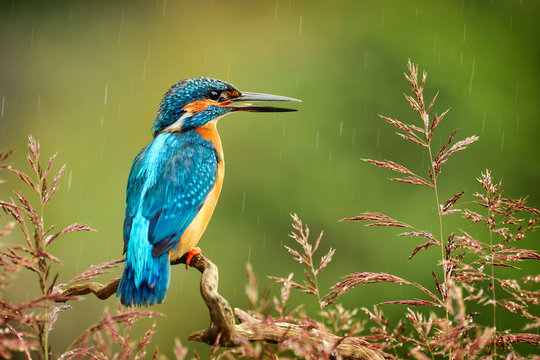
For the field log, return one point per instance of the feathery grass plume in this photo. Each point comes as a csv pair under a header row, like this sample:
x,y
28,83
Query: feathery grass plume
x,y
469,262
353,280
335,336
33,319
423,137
29,323
113,327
258,304
95,270
310,284
344,322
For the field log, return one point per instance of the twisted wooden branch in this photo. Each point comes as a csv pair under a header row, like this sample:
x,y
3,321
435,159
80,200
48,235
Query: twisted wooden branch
x,y
225,332
221,327
101,291
275,332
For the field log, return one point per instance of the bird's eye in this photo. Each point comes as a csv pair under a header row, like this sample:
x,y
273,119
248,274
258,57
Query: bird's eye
x,y
213,95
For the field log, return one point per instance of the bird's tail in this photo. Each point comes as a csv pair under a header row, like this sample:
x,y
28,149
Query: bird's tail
x,y
146,278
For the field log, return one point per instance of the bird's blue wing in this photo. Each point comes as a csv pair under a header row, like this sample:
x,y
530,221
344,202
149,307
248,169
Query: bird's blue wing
x,y
135,186
169,181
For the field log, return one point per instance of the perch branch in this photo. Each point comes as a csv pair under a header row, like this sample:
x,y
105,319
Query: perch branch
x,y
221,329
225,332
268,330
101,291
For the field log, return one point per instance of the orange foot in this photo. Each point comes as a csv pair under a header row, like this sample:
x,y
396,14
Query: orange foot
x,y
192,252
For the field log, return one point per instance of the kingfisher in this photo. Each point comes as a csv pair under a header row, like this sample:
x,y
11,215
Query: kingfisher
x,y
175,182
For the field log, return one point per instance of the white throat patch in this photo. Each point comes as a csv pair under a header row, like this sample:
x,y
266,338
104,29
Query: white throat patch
x,y
177,125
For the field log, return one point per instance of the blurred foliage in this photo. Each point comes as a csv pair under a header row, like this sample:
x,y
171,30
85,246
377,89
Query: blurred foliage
x,y
86,77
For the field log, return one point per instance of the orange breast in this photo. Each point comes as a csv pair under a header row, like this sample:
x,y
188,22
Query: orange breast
x,y
193,233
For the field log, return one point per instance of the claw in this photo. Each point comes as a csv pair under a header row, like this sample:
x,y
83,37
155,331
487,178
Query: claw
x,y
192,252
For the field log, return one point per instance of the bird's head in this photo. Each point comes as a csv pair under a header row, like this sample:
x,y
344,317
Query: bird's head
x,y
194,102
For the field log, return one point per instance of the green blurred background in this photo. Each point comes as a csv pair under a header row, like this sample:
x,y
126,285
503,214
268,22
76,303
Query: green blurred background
x,y
86,77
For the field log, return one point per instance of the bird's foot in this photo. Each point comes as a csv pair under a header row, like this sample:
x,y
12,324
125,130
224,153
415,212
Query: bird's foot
x,y
191,253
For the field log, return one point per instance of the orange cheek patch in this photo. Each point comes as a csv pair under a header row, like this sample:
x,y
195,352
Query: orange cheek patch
x,y
232,94
229,95
199,105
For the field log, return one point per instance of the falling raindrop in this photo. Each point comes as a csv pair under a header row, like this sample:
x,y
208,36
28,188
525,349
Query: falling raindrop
x,y
330,157
3,105
70,17
472,75
144,71
365,61
300,26
164,7
276,10
102,120
106,93
382,18
341,128
317,140
70,175
417,11
464,32
244,201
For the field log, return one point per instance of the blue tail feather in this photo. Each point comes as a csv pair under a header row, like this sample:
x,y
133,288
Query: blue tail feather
x,y
146,278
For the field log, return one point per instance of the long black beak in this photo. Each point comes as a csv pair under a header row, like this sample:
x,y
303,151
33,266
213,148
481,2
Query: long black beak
x,y
251,96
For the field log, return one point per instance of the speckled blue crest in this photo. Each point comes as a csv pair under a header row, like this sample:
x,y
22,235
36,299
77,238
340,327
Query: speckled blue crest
x,y
183,93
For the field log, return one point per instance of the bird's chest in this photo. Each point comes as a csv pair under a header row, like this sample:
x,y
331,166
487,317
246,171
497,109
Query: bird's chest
x,y
196,228
209,133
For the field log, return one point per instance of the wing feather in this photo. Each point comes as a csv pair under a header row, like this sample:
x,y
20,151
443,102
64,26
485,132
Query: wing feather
x,y
168,185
